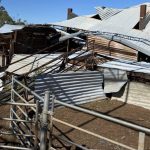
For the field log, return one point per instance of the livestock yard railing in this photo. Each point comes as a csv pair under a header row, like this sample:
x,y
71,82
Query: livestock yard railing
x,y
22,124
34,128
142,130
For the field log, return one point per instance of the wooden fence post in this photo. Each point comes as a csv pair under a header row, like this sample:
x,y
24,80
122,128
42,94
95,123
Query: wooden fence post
x,y
141,141
44,123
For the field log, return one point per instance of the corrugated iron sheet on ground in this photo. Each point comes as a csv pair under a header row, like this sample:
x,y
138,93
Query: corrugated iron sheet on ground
x,y
72,87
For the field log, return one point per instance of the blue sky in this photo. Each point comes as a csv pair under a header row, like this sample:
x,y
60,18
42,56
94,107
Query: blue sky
x,y
45,11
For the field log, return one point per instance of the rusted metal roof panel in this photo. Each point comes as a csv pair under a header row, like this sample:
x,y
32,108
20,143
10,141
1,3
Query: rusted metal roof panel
x,y
117,28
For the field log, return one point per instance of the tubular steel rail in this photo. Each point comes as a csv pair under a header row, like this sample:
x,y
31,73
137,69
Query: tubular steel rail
x,y
142,130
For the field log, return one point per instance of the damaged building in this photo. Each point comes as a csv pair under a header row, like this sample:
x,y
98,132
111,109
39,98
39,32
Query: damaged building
x,y
29,39
119,47
78,63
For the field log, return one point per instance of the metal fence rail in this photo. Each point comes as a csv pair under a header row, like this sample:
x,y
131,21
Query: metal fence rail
x,y
20,121
142,130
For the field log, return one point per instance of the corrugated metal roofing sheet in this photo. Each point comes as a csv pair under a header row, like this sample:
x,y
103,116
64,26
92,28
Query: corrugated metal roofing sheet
x,y
28,64
7,28
114,80
2,74
127,18
139,67
72,87
83,23
106,13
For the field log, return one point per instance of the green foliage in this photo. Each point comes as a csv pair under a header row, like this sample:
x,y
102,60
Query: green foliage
x,y
4,17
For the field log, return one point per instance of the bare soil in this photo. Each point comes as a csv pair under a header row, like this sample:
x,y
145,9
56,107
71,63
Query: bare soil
x,y
5,126
130,113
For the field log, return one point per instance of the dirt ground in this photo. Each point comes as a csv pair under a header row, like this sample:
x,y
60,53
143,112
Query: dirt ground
x,y
5,125
130,113
110,130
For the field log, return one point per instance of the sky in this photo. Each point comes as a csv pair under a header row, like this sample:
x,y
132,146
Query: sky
x,y
47,11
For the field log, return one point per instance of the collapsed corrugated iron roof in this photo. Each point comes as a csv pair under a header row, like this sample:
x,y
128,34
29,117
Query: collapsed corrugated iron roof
x,y
82,23
114,29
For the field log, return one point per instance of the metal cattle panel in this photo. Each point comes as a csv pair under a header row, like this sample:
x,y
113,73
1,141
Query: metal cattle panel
x,y
72,87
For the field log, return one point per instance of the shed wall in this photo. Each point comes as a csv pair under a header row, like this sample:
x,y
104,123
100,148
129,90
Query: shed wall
x,y
135,93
